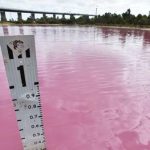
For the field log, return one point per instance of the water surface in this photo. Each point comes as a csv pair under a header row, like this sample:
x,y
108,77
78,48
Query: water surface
x,y
95,88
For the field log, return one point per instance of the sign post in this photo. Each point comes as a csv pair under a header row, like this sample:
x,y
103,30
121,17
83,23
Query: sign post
x,y
21,68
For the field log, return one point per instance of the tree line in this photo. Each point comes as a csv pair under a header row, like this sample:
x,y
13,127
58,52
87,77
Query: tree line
x,y
124,19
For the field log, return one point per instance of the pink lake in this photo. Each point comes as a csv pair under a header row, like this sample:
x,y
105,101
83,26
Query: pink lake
x,y
95,88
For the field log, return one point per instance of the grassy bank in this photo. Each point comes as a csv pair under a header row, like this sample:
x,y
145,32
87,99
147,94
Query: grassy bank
x,y
138,27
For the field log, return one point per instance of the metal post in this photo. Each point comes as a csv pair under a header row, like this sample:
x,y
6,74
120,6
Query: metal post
x,y
96,14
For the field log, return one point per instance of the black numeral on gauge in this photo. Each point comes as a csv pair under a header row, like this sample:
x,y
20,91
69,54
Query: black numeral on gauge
x,y
22,74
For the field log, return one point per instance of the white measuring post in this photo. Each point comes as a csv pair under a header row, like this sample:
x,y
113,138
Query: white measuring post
x,y
21,68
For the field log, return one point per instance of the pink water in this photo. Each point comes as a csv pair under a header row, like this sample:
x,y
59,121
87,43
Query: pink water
x,y
95,87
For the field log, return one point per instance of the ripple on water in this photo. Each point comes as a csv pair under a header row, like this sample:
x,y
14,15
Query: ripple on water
x,y
94,85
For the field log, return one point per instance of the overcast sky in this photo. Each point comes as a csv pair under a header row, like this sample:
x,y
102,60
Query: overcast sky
x,y
80,6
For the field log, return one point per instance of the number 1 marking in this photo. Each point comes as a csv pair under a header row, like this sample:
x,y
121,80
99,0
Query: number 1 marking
x,y
21,69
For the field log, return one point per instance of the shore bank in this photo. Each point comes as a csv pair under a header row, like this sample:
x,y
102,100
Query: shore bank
x,y
100,26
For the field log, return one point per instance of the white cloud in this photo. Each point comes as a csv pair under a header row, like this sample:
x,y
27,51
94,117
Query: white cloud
x,y
78,6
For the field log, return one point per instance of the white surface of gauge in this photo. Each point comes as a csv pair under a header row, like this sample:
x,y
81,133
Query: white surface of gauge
x,y
21,68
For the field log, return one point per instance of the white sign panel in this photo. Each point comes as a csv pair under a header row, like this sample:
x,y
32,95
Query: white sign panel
x,y
21,68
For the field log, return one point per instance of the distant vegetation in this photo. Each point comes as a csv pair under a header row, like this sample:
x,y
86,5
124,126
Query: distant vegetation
x,y
125,19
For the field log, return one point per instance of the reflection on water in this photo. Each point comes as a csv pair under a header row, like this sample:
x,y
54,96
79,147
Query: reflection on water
x,y
5,30
21,31
94,84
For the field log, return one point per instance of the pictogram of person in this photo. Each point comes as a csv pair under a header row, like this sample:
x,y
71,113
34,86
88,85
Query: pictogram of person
x,y
18,47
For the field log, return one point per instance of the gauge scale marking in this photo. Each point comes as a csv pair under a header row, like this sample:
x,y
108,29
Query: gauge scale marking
x,y
21,69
